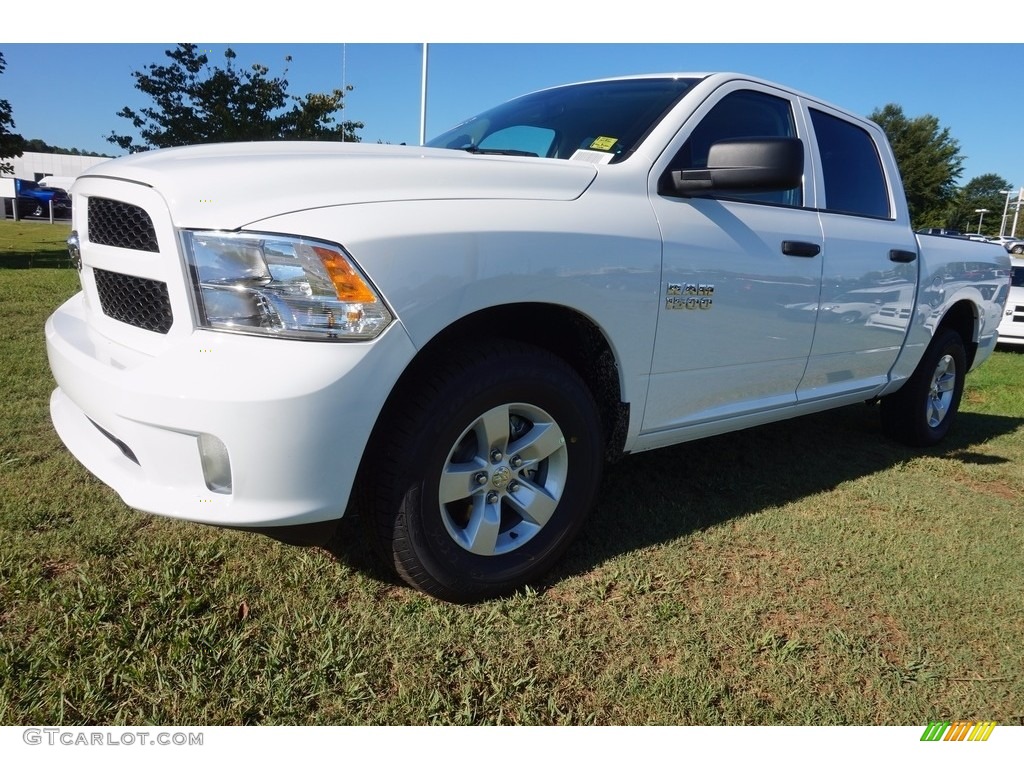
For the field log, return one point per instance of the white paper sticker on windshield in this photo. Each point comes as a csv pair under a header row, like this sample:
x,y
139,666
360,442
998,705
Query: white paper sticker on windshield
x,y
590,156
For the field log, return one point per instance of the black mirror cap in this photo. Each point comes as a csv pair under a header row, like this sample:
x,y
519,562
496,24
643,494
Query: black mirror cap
x,y
746,165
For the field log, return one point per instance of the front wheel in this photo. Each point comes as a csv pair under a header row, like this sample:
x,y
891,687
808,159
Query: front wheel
x,y
1018,249
487,472
921,412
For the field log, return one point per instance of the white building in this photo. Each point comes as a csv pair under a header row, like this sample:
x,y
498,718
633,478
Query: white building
x,y
37,165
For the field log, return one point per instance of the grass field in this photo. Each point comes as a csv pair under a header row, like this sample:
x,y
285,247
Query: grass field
x,y
804,573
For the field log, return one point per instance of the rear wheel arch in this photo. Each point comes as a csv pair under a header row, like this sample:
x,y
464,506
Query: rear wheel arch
x,y
962,317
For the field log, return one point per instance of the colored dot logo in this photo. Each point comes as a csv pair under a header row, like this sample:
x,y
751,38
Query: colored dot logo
x,y
205,200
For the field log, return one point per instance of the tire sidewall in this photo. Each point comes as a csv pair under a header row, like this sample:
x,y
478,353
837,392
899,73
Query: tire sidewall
x,y
948,344
557,391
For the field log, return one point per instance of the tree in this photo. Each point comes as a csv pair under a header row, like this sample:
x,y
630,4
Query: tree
x,y
11,144
38,145
929,160
987,192
194,103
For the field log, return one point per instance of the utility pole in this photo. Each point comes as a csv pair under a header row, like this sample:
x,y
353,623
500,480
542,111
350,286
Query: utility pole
x,y
423,100
1016,213
1006,207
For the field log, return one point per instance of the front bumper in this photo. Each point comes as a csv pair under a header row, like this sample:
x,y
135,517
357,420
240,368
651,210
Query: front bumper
x,y
295,417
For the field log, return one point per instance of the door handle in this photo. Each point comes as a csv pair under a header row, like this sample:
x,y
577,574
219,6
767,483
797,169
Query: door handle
x,y
798,248
902,257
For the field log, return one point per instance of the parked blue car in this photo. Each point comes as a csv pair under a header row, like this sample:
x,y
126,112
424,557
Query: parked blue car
x,y
34,201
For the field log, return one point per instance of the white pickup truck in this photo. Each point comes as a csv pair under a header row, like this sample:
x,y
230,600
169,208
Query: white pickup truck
x,y
455,338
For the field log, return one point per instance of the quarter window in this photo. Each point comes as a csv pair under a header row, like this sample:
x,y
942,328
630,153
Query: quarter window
x,y
854,181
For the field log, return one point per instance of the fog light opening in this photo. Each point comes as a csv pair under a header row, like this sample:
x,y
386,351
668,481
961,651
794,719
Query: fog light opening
x,y
216,465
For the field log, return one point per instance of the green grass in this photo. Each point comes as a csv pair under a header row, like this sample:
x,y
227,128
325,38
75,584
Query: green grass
x,y
804,573
33,244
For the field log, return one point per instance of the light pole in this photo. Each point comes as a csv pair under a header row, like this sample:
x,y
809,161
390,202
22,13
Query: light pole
x,y
1006,207
1016,213
423,99
981,218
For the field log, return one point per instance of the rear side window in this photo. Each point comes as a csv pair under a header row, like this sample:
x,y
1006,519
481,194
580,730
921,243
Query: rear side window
x,y
854,181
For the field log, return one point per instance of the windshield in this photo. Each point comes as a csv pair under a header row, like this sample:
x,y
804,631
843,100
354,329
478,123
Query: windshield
x,y
605,121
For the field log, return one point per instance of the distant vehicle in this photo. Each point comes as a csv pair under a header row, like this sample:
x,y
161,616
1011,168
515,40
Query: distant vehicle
x,y
978,237
34,201
1011,329
1011,244
57,182
940,231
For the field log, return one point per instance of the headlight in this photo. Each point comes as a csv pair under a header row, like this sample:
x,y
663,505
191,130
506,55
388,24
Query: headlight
x,y
280,286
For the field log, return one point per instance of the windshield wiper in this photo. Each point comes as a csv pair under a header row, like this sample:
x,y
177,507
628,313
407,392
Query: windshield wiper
x,y
515,152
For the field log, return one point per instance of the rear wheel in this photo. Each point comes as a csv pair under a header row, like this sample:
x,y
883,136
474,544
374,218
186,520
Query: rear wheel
x,y
921,412
487,473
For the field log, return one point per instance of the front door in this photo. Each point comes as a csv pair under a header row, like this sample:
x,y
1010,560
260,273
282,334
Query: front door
x,y
740,279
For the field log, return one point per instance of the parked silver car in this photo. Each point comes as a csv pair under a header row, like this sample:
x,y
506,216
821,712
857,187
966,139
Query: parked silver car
x,y
1012,244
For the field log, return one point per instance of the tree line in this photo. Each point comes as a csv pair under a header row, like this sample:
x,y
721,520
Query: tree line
x,y
930,163
196,102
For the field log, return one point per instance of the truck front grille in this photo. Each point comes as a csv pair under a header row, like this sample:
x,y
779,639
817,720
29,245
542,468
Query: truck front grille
x,y
136,301
121,225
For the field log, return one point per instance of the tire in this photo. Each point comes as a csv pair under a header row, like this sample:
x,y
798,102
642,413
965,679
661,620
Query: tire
x,y
922,411
487,473
1017,249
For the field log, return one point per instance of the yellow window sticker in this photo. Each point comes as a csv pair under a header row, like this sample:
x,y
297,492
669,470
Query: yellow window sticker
x,y
604,143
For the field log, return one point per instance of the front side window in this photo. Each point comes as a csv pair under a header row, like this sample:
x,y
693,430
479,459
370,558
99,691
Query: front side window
x,y
610,117
740,115
854,181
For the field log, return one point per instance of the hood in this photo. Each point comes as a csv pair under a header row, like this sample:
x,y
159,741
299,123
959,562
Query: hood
x,y
226,186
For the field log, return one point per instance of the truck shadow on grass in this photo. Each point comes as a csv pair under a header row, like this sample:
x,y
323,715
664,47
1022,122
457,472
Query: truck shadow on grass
x,y
661,496
54,258
665,495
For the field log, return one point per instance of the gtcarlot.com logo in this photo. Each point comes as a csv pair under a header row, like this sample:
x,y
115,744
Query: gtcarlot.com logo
x,y
73,737
960,730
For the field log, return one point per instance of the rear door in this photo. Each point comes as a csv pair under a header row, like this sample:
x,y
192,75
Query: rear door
x,y
869,282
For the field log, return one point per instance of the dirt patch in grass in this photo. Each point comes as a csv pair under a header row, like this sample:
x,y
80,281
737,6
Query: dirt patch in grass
x,y
53,569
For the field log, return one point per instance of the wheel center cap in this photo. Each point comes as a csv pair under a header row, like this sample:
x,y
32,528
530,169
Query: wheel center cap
x,y
501,477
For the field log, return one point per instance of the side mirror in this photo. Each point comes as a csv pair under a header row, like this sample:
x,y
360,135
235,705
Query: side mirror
x,y
746,165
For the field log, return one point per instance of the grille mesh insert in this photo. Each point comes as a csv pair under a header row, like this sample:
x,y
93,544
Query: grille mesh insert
x,y
121,225
134,300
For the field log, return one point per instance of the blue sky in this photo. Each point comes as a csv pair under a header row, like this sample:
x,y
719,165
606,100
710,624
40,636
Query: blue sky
x,y
68,94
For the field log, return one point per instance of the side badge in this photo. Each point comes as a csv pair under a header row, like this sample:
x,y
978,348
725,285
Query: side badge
x,y
689,296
